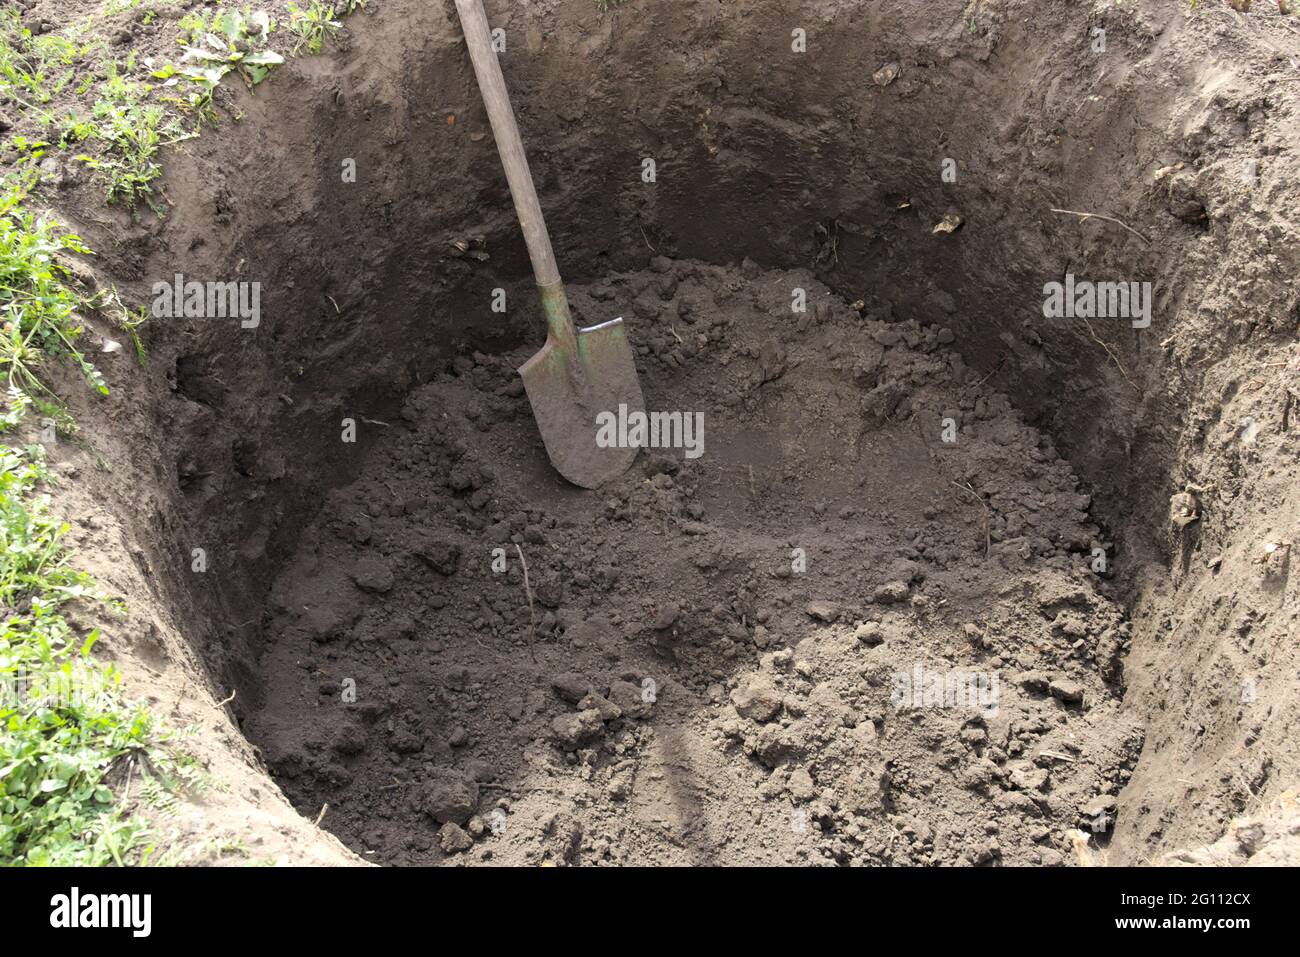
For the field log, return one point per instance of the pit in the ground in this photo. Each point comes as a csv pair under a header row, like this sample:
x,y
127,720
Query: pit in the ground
x,y
856,620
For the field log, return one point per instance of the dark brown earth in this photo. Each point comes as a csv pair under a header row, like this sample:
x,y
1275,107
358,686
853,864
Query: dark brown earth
x,y
328,560
738,618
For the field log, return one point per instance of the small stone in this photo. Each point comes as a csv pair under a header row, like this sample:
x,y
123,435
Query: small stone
x,y
1102,804
1183,509
1071,624
620,786
985,853
373,575
454,839
607,709
757,698
631,699
449,797
572,731
1067,690
442,557
667,616
782,658
869,633
571,686
1034,681
891,592
950,223
459,737
801,786
886,75
1029,778
887,336
826,611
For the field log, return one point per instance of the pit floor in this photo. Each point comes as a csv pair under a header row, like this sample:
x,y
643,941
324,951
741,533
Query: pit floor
x,y
725,656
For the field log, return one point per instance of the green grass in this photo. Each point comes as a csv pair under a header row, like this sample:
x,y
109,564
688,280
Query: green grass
x,y
112,7
311,25
225,41
132,131
121,123
39,309
123,113
125,318
64,723
35,68
124,128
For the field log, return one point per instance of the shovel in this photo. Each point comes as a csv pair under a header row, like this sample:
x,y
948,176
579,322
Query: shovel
x,y
579,374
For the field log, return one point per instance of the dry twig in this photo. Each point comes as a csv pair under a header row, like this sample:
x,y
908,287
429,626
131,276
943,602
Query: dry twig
x,y
1109,219
1110,352
532,615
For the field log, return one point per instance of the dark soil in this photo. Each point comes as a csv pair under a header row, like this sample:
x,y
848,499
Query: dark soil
x,y
822,435
1141,708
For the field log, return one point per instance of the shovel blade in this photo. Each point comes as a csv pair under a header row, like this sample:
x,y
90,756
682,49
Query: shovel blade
x,y
568,393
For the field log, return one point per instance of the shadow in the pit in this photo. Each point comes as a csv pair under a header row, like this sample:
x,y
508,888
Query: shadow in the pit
x,y
684,786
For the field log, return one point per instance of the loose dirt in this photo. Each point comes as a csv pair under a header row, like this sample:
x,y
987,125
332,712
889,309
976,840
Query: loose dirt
x,y
735,653
720,641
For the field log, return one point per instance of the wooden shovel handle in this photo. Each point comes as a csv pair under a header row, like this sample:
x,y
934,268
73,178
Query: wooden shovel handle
x,y
493,87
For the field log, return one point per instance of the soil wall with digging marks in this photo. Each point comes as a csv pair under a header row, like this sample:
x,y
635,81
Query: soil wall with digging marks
x,y
829,161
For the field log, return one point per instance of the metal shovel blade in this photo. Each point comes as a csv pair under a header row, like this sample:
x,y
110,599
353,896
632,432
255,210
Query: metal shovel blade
x,y
567,397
